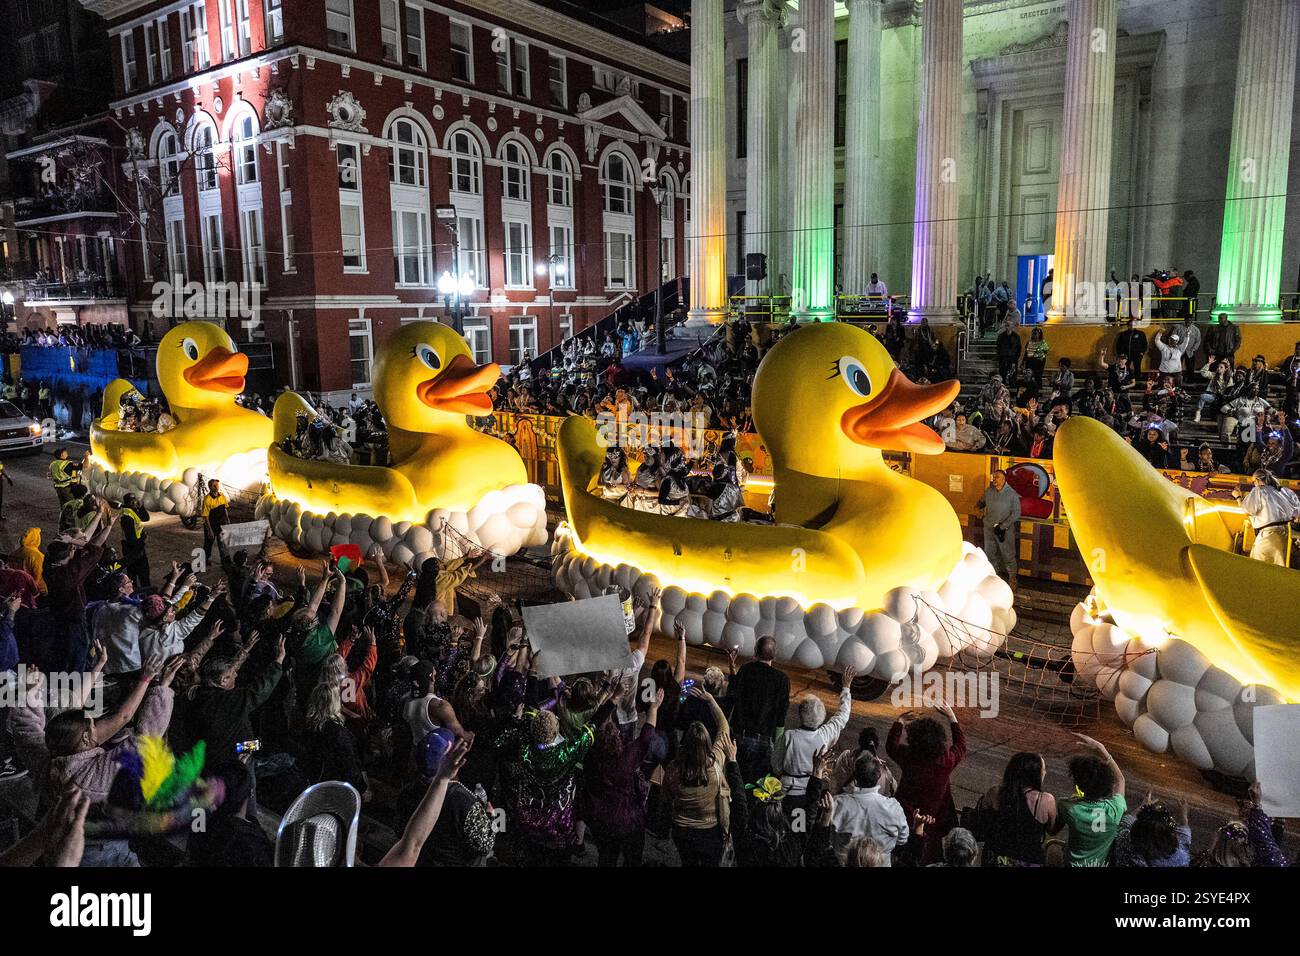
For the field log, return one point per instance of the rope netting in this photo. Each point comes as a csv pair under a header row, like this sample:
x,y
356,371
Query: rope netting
x,y
1036,669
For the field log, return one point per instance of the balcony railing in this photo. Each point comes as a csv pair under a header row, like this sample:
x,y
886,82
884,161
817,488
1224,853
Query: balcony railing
x,y
90,287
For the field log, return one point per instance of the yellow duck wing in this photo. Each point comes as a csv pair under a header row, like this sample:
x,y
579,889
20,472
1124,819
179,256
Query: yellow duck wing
x,y
1255,604
284,415
147,452
325,486
700,555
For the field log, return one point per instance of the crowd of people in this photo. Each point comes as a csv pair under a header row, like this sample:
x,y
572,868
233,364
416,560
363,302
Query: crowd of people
x,y
1196,377
441,724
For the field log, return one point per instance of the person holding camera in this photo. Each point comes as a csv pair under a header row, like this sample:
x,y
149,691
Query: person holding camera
x,y
1001,510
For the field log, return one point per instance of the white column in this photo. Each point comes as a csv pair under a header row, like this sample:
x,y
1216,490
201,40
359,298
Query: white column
x,y
862,183
1083,194
766,98
812,61
938,139
708,165
1254,214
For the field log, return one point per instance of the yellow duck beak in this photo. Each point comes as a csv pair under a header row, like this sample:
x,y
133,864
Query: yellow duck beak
x,y
221,370
892,419
461,387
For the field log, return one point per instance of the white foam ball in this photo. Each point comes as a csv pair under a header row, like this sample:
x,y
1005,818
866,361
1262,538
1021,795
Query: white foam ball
x,y
820,619
853,653
1128,708
892,665
1150,734
744,610
673,599
401,555
1181,662
808,654
1173,704
880,633
996,592
1229,750
1188,744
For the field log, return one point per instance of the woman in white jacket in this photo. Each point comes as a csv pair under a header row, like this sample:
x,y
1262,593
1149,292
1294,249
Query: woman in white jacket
x,y
797,748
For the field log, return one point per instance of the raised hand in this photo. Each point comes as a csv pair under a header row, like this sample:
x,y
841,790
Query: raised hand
x,y
171,669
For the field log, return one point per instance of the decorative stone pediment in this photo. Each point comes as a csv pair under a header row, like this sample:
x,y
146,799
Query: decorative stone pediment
x,y
278,111
346,113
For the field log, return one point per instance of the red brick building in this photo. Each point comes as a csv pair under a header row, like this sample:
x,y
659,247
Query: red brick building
x,y
307,147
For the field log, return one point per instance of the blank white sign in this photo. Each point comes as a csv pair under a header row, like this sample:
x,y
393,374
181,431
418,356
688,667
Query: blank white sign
x,y
1277,759
577,637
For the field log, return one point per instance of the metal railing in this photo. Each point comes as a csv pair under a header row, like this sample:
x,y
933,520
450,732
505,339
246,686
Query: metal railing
x,y
90,287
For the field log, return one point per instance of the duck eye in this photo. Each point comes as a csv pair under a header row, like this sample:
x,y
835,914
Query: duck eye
x,y
428,356
855,376
191,349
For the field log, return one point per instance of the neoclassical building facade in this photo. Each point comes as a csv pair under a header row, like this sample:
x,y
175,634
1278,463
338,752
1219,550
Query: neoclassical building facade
x,y
933,140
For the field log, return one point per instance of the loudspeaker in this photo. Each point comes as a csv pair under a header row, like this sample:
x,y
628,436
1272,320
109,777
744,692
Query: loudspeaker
x,y
755,266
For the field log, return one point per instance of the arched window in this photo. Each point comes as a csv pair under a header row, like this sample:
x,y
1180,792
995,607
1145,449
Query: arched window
x,y
667,207
559,180
406,159
205,148
616,180
466,164
516,172
246,150
169,163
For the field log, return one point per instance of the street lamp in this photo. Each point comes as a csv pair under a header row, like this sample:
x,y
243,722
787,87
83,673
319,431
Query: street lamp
x,y
661,344
552,266
459,287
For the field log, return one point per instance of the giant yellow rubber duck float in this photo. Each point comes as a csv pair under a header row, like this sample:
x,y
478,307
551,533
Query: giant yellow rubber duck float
x,y
835,580
1185,635
443,473
200,374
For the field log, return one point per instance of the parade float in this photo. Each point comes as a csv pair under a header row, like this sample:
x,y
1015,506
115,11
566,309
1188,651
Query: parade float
x,y
1185,636
860,558
447,487
200,374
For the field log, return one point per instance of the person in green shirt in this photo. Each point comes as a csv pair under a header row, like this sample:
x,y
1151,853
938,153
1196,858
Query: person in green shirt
x,y
1092,819
311,638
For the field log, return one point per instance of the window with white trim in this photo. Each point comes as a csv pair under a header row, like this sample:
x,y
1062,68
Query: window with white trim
x,y
466,164
286,204
390,31
616,182
523,338
254,246
407,153
205,158
164,49
559,180
515,172
478,336
361,351
512,67
557,79
214,253
227,30
351,220
177,267
415,36
689,240
619,267
409,195
150,54
273,15
412,250
169,163
666,111
338,24
243,27
470,248
130,69
518,254
194,36
561,265
246,150
462,52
